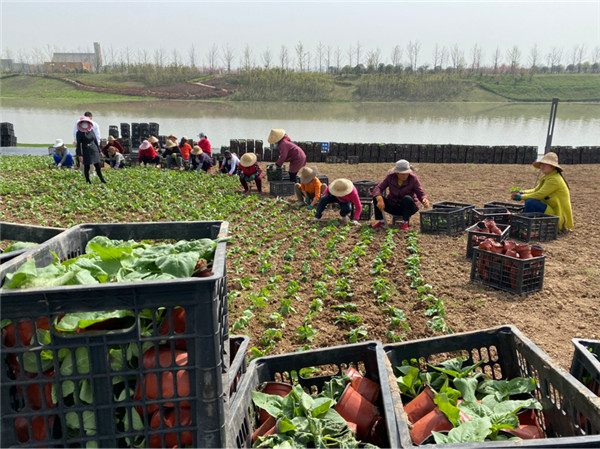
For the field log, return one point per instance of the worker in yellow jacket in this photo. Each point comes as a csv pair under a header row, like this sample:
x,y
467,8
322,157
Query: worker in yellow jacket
x,y
551,196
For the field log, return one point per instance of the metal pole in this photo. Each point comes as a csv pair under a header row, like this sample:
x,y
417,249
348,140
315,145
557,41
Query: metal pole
x,y
553,109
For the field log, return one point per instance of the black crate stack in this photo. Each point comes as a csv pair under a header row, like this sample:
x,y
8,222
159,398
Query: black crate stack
x,y
113,130
7,135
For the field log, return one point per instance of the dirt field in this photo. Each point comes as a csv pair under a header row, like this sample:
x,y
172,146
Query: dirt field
x,y
567,307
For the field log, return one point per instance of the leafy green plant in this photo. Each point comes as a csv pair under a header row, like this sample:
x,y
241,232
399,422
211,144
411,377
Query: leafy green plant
x,y
360,333
242,321
306,332
347,318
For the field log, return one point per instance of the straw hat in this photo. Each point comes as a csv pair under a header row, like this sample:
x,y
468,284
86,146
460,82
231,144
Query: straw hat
x,y
307,174
248,159
111,139
84,124
276,135
549,159
341,187
196,150
153,139
145,145
402,166
170,144
172,137
59,143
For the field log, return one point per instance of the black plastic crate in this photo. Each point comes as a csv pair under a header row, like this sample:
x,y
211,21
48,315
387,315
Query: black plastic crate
x,y
473,231
528,226
238,346
444,220
500,215
24,233
277,174
451,204
282,188
364,188
585,366
353,160
515,208
508,273
296,369
570,416
197,351
367,209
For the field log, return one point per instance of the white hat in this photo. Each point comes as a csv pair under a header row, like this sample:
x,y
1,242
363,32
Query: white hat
x,y
341,187
59,143
402,166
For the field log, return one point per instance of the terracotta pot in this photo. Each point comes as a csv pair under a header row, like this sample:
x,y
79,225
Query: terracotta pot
x,y
278,388
486,245
497,248
355,408
435,420
527,417
527,432
493,228
421,405
511,253
537,250
265,428
366,387
509,245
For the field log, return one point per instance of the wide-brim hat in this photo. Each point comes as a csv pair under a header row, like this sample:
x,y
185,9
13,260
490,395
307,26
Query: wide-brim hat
x,y
111,139
153,139
307,174
145,145
549,159
276,135
59,143
402,166
172,136
170,144
341,187
84,124
196,150
248,159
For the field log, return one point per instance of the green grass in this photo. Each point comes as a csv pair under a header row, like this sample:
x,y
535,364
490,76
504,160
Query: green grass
x,y
572,87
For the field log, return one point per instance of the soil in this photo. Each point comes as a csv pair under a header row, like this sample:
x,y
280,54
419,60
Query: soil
x,y
567,306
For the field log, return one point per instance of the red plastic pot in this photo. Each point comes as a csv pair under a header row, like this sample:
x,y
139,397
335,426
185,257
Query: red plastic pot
x,y
366,387
178,322
278,388
435,420
527,432
537,250
421,405
266,428
353,407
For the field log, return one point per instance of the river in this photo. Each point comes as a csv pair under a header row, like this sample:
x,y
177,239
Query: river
x,y
577,124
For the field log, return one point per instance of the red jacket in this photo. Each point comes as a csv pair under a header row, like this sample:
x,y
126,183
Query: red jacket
x,y
204,144
150,153
253,170
115,144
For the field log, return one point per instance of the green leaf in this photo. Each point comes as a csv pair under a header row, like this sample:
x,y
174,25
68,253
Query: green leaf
x,y
448,408
178,265
320,406
273,404
467,387
18,246
475,430
503,389
71,322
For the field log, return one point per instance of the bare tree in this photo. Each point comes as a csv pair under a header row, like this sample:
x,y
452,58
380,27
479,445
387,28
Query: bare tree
x,y
175,58
514,56
266,58
554,58
143,56
373,57
228,57
436,56
350,53
456,54
534,56
308,61
211,57
247,60
320,55
338,58
444,57
476,55
126,54
300,56
596,55
413,49
283,57
159,57
192,55
358,47
496,59
396,55
327,58
579,56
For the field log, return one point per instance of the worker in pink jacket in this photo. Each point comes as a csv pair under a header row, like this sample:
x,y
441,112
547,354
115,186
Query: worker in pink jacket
x,y
288,152
341,191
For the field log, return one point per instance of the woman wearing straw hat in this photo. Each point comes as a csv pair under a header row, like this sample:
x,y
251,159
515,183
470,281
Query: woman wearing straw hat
x,y
88,151
341,191
250,171
288,152
112,142
310,188
147,154
172,154
156,144
405,192
551,195
200,160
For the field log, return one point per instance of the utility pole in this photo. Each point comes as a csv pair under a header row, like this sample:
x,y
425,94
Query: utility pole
x,y
553,109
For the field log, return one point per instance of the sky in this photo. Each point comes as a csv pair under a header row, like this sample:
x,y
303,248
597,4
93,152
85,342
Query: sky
x,y
45,26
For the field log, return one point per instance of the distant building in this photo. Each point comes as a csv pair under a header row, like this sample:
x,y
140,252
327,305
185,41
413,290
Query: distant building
x,y
10,66
76,62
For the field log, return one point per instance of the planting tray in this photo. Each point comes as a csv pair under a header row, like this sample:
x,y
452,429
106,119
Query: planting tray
x,y
500,215
508,273
364,188
295,369
473,231
277,174
570,415
528,226
199,419
444,220
367,209
586,363
450,204
24,233
281,188
238,346
515,208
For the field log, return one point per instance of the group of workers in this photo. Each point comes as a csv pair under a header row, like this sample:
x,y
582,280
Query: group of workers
x,y
399,194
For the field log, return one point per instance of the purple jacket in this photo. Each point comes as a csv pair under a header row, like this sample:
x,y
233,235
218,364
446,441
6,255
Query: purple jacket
x,y
412,187
292,153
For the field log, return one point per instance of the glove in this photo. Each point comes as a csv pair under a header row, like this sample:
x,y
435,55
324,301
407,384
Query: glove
x,y
59,165
518,197
426,203
307,200
253,177
355,222
309,207
380,203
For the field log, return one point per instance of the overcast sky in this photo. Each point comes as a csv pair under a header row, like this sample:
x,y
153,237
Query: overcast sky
x,y
74,26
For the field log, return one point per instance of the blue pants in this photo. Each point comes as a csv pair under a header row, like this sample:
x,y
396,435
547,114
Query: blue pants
x,y
328,198
68,160
532,205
